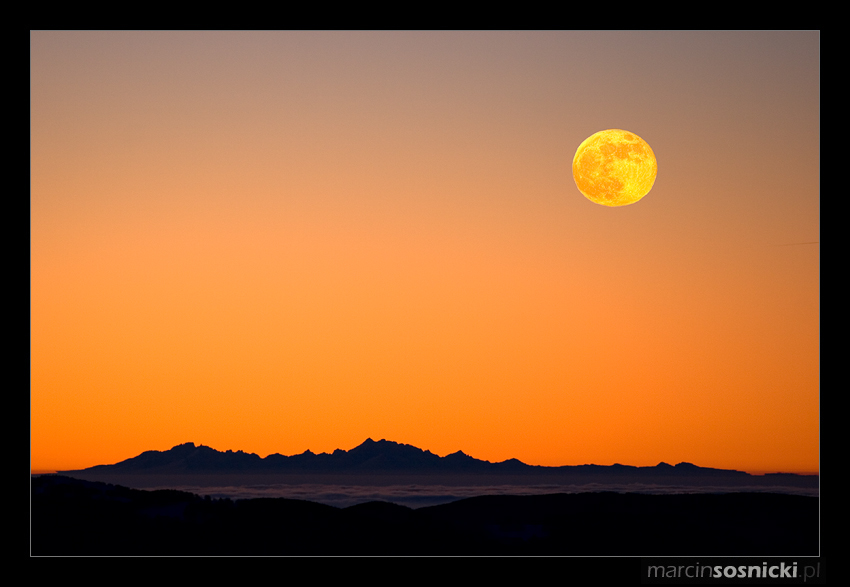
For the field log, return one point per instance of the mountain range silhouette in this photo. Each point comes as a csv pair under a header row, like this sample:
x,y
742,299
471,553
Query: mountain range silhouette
x,y
97,511
383,457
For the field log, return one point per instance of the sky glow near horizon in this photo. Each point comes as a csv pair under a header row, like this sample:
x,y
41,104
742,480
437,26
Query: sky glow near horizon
x,y
281,241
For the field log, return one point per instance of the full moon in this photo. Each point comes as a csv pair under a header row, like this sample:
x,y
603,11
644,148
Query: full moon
x,y
614,168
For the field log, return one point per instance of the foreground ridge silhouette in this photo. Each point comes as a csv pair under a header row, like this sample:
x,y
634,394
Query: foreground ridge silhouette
x,y
76,517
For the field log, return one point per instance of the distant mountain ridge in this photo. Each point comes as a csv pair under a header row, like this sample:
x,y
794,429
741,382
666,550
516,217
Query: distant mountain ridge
x,y
373,457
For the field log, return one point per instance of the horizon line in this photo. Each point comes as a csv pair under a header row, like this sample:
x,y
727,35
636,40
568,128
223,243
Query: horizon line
x,y
757,473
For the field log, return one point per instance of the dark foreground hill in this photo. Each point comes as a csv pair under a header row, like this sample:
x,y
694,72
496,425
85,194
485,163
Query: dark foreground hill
x,y
75,517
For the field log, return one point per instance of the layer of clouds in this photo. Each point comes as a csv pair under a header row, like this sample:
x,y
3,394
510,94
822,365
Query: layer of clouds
x,y
416,496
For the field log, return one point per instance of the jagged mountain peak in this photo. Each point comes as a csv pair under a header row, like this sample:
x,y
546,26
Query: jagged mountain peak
x,y
459,454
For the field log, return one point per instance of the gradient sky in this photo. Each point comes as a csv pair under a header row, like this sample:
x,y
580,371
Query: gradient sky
x,y
281,241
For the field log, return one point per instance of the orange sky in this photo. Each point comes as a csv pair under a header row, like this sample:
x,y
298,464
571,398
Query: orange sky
x,y
279,241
